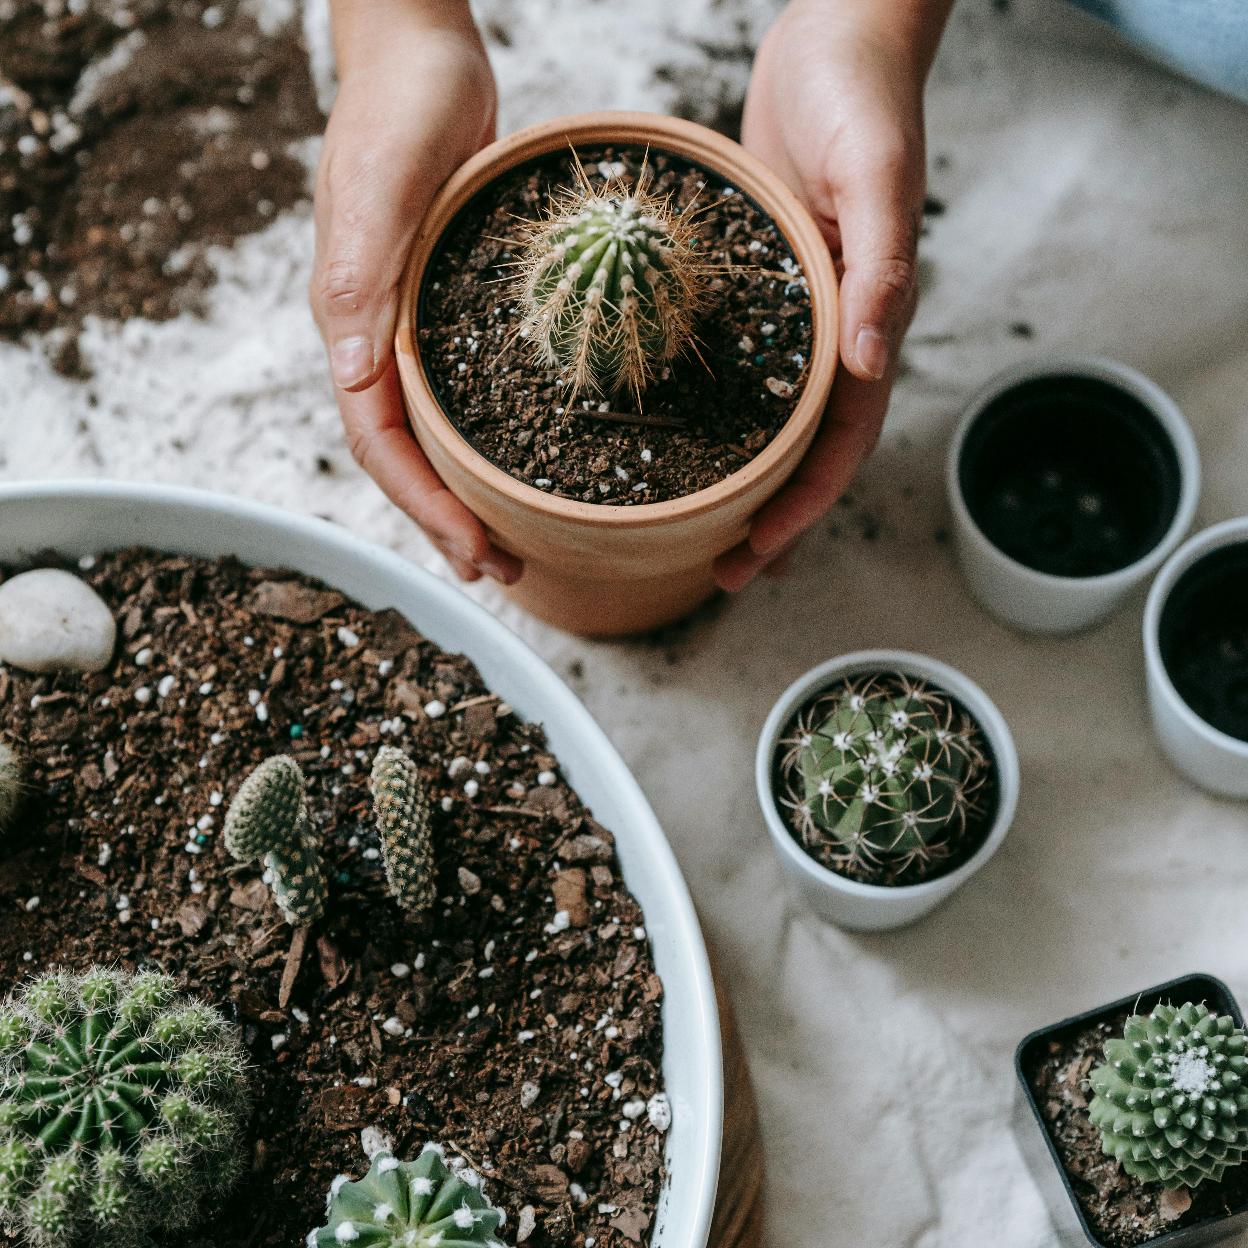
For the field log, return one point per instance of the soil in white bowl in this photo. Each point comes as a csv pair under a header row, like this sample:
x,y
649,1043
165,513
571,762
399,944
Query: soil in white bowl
x,y
519,1024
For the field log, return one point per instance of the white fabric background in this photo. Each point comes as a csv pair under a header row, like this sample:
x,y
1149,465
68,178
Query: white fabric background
x,y
1096,198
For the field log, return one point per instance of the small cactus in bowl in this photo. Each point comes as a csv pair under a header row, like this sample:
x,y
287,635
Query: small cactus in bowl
x,y
610,285
409,1204
1171,1099
268,822
402,812
885,775
122,1107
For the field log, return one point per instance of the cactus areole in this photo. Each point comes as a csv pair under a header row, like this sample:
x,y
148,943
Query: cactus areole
x,y
886,778
1171,1099
424,1203
122,1107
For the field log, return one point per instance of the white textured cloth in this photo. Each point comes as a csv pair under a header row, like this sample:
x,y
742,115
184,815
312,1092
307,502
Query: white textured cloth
x,y
1093,197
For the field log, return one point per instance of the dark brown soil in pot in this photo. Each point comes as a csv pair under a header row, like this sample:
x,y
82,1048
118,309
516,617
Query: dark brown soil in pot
x,y
1204,638
520,1024
710,414
1121,1211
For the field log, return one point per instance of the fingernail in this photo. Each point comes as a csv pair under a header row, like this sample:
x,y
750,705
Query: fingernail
x,y
871,348
351,360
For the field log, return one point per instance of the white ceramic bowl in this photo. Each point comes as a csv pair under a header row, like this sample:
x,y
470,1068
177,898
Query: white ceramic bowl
x,y
1038,602
875,907
79,518
1208,757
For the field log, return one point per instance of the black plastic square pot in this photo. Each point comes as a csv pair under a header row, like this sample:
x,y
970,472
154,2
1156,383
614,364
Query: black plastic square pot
x,y
1037,1145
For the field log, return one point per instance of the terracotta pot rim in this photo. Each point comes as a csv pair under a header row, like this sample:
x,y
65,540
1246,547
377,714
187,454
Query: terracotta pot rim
x,y
718,154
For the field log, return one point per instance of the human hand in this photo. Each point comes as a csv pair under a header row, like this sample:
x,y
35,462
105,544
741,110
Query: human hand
x,y
416,98
835,107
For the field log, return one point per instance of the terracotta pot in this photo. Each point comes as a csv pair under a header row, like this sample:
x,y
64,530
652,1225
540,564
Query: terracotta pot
x,y
610,570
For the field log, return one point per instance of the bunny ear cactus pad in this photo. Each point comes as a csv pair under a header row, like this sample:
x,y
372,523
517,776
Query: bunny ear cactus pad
x,y
268,822
409,1204
885,772
402,812
122,1107
1171,1100
610,283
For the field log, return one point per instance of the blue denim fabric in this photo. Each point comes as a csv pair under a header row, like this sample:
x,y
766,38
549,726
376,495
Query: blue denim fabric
x,y
1205,39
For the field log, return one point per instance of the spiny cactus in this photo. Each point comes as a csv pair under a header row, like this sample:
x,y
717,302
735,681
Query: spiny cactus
x,y
885,772
610,285
409,1204
122,1107
402,812
268,822
12,786
1170,1100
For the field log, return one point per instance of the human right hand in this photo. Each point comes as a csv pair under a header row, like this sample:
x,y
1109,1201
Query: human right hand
x,y
416,98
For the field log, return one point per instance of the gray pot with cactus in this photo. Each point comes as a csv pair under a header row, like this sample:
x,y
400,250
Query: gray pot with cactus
x,y
886,780
1133,1118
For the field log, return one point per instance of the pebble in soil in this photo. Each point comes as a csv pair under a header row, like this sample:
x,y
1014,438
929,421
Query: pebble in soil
x,y
133,135
520,1023
51,621
709,414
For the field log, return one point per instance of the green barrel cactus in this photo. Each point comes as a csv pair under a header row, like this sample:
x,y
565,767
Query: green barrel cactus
x,y
887,772
409,1204
610,286
402,812
268,822
1170,1099
122,1108
12,785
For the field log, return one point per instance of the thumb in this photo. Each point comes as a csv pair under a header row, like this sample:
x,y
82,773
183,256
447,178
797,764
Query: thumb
x,y
367,214
879,210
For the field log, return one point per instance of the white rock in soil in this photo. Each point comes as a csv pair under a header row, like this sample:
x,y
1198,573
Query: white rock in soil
x,y
51,621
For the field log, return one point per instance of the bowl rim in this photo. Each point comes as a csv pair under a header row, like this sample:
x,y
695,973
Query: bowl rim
x,y
1138,386
693,1163
910,663
1232,532
695,142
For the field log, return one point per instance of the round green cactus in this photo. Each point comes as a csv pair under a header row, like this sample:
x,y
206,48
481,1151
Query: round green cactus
x,y
402,812
1170,1100
12,785
268,822
122,1107
886,772
610,286
409,1204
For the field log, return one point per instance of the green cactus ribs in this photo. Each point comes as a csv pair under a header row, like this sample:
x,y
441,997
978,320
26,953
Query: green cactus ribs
x,y
122,1106
610,286
1170,1100
424,1203
268,822
886,778
402,812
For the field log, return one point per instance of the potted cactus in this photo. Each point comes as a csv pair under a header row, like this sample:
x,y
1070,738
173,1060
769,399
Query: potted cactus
x,y
616,339
886,780
1133,1117
1070,480
1196,655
